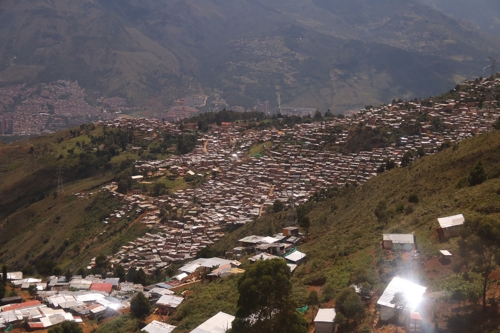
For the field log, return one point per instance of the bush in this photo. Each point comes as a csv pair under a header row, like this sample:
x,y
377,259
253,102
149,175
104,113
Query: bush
x,y
328,292
477,175
413,198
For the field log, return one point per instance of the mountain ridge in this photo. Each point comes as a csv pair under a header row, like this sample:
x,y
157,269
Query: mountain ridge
x,y
153,50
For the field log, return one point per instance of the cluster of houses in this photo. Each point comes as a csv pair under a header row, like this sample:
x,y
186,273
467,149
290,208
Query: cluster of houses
x,y
412,292
47,107
59,299
92,297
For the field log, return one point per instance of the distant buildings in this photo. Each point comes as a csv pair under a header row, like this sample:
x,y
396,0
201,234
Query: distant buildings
x,y
6,126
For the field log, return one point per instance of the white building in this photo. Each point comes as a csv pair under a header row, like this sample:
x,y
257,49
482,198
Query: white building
x,y
450,225
158,327
324,321
411,291
219,323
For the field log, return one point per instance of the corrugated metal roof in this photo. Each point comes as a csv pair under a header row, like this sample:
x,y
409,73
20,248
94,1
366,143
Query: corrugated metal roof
x,y
219,323
412,291
158,327
399,238
325,316
451,221
296,256
170,301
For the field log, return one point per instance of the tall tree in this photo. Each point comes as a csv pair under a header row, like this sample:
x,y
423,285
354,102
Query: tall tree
x,y
477,175
139,306
349,304
480,243
264,304
120,273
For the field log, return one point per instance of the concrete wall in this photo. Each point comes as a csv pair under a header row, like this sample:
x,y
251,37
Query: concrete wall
x,y
321,327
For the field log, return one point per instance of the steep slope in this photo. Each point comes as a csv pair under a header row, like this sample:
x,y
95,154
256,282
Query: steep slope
x,y
483,13
324,54
345,235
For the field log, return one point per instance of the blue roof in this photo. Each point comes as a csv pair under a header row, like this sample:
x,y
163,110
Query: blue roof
x,y
164,285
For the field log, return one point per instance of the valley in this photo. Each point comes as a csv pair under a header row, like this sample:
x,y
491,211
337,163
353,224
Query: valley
x,y
166,193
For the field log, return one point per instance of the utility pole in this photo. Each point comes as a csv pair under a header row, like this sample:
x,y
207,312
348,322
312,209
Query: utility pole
x,y
493,66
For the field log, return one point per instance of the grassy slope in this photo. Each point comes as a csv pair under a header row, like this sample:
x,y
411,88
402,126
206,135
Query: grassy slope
x,y
49,227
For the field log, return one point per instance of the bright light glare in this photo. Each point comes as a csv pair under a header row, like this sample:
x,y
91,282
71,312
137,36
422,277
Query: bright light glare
x,y
413,297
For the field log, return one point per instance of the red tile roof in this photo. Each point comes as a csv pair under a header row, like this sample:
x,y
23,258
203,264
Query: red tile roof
x,y
21,305
107,287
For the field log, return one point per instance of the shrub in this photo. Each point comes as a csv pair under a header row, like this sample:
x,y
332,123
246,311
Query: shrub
x,y
477,175
413,198
328,292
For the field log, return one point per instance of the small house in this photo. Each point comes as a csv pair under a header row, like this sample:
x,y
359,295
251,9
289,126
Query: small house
x,y
219,323
167,304
450,226
291,231
296,257
401,242
158,327
412,292
324,321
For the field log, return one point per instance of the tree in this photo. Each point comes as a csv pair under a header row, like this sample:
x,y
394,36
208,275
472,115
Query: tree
x,y
141,277
381,211
159,189
477,175
400,303
131,274
349,304
139,306
313,298
101,265
480,243
265,303
407,158
120,273
318,115
278,206
328,292
82,272
66,327
305,223
390,164
32,290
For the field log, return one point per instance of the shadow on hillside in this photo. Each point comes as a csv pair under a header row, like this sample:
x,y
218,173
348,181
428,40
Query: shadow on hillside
x,y
471,318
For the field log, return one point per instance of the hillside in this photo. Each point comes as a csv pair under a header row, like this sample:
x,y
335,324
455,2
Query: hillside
x,y
483,13
345,234
344,238
319,54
